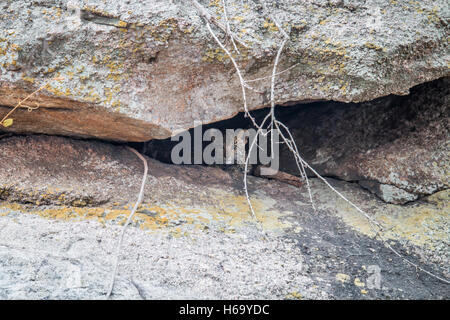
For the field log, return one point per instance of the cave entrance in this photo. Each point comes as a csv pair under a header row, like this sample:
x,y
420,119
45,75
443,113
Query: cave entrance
x,y
395,146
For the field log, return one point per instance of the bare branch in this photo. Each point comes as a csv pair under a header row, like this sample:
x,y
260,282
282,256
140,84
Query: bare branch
x,y
247,162
238,71
210,18
228,26
278,73
130,217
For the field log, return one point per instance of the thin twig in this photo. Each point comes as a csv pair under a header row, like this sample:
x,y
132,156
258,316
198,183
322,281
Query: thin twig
x,y
224,2
210,18
246,165
278,73
238,71
372,222
19,104
130,217
293,147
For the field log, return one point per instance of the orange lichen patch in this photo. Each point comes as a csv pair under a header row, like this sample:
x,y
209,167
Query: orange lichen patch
x,y
122,24
52,13
29,79
374,46
9,51
68,213
270,26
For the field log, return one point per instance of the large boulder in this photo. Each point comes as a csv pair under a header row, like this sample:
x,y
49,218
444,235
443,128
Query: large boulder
x,y
138,70
64,201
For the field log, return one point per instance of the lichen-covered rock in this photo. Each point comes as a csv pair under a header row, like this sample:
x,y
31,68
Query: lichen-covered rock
x,y
138,70
63,203
389,193
397,147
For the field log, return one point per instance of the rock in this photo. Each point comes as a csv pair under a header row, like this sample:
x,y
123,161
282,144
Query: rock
x,y
397,147
45,170
137,70
388,193
64,202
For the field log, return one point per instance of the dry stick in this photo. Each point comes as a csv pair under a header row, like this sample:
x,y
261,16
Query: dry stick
x,y
204,14
272,90
228,26
272,101
274,71
304,163
246,166
294,150
130,217
243,86
278,73
238,71
26,98
208,17
377,233
290,142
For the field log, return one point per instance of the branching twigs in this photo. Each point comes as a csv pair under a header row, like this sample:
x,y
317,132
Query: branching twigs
x,y
278,73
293,148
130,217
276,126
6,121
272,80
208,17
252,145
238,71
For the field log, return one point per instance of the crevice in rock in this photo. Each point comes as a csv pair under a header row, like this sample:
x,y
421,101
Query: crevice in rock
x,y
396,147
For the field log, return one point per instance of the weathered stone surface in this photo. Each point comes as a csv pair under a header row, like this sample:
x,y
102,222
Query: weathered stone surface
x,y
193,236
398,147
138,70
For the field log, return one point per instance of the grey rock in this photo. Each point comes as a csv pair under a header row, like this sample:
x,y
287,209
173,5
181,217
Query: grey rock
x,y
389,193
193,237
138,70
398,147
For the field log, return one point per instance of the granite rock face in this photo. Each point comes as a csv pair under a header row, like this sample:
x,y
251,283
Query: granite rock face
x,y
138,70
193,236
397,147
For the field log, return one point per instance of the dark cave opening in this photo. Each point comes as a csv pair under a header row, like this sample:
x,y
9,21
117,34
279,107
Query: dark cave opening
x,y
392,116
384,144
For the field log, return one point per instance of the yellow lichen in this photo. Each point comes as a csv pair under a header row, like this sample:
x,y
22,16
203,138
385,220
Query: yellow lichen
x,y
373,46
342,277
122,24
